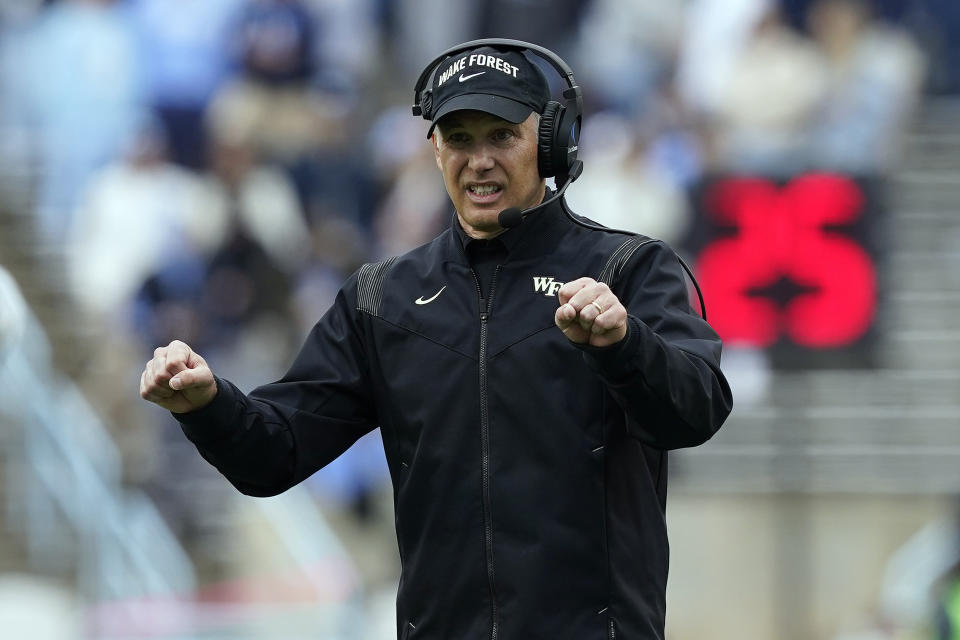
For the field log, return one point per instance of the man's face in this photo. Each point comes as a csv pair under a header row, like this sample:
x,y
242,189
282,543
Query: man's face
x,y
488,165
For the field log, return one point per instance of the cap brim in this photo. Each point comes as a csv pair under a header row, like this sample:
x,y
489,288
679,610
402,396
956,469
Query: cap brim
x,y
509,110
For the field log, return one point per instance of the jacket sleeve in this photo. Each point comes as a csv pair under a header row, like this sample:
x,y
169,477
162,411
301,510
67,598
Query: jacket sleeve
x,y
281,433
665,373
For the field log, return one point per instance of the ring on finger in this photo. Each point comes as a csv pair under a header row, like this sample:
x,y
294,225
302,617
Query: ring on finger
x,y
598,306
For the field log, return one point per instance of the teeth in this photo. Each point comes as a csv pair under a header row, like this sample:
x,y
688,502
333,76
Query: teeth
x,y
483,189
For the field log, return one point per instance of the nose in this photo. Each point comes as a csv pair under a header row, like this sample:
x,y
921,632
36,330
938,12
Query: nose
x,y
480,158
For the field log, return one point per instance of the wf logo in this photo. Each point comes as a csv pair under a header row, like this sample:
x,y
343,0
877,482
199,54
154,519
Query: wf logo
x,y
546,285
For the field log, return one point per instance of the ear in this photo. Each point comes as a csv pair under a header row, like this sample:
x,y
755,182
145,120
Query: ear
x,y
435,140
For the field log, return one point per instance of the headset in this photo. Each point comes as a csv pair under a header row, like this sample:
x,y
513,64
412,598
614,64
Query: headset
x,y
559,122
557,137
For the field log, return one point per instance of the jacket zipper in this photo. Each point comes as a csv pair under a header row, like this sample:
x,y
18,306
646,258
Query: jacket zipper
x,y
613,633
485,450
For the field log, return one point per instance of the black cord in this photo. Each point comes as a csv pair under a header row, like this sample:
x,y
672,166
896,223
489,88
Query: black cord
x,y
597,227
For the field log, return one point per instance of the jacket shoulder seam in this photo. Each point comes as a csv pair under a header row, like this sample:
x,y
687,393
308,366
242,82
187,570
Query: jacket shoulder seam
x,y
370,285
620,256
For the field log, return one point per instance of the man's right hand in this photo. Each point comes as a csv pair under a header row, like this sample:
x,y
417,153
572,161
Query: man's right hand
x,y
178,379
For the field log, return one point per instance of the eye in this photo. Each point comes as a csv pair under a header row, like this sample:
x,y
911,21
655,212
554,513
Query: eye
x,y
457,138
502,135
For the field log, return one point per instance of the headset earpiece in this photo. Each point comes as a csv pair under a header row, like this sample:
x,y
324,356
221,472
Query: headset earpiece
x,y
546,139
426,103
557,142
566,144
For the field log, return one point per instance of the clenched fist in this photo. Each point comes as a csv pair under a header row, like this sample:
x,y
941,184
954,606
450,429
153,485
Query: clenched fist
x,y
590,313
177,379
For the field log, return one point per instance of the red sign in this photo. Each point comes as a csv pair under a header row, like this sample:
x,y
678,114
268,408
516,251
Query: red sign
x,y
785,264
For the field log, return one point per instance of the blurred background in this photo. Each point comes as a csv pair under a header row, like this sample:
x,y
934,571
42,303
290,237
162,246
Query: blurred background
x,y
211,170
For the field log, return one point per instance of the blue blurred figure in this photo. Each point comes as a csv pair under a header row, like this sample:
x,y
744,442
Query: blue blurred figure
x,y
184,46
80,82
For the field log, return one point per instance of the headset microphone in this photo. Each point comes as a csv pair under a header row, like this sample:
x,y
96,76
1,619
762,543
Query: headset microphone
x,y
513,217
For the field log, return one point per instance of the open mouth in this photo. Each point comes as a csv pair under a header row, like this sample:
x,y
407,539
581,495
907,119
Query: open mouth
x,y
484,192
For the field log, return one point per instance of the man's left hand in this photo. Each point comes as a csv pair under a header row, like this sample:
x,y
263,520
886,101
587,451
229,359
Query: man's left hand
x,y
590,313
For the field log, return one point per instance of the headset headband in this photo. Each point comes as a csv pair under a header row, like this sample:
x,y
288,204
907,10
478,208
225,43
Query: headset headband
x,y
572,92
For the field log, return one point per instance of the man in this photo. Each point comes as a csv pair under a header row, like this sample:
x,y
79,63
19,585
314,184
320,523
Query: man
x,y
525,403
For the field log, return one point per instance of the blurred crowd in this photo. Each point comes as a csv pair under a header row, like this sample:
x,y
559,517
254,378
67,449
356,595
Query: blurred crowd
x,y
213,169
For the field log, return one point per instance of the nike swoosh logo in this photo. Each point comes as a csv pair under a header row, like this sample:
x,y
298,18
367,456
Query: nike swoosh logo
x,y
464,78
420,300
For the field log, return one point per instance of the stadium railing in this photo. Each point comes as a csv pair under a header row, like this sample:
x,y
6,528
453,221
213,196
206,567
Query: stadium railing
x,y
64,495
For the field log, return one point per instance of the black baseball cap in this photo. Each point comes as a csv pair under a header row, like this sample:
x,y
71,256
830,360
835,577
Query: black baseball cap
x,y
504,83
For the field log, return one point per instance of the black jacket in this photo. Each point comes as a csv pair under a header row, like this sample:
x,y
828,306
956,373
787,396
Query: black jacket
x,y
529,475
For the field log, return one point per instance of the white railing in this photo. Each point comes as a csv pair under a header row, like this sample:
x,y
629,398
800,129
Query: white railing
x,y
66,500
64,490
